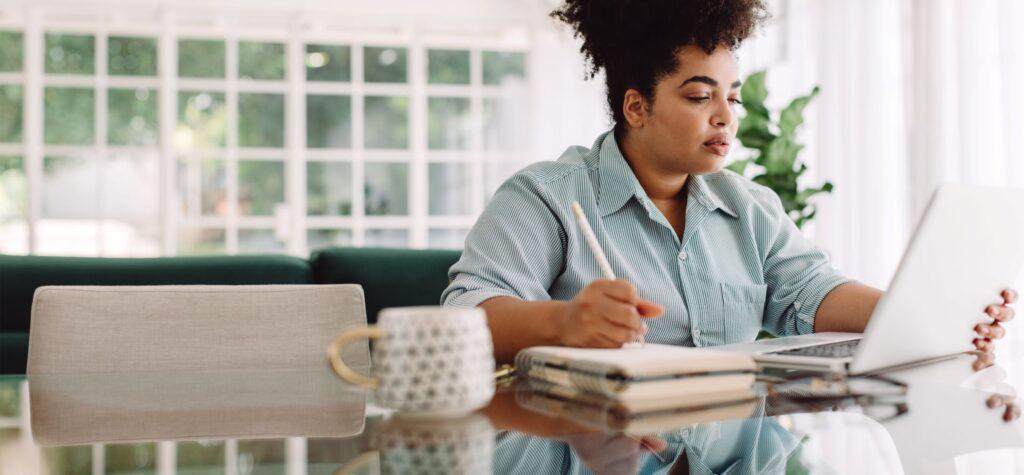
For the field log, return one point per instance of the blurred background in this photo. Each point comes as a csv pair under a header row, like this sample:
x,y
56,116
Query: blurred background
x,y
179,127
184,127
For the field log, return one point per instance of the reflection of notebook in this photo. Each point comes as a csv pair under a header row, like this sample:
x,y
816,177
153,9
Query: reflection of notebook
x,y
638,371
639,416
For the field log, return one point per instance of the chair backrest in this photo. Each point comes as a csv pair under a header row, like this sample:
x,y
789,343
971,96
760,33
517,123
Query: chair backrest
x,y
20,276
390,277
96,329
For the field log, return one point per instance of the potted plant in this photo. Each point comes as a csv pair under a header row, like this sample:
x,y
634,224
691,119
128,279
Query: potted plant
x,y
774,161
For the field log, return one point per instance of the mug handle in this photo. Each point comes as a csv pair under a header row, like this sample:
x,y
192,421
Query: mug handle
x,y
334,355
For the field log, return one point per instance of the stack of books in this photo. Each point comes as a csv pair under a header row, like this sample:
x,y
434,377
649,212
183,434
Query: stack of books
x,y
637,388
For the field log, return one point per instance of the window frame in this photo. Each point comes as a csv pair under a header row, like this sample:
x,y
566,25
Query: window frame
x,y
290,222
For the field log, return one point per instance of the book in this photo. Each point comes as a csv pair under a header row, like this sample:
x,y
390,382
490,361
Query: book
x,y
638,371
637,416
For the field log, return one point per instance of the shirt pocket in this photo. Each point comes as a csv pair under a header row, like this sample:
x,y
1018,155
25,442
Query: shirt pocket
x,y
742,310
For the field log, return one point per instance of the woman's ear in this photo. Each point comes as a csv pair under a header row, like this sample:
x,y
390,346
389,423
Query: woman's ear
x,y
634,107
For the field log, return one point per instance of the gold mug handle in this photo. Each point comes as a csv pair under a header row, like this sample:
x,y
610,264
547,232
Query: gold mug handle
x,y
334,355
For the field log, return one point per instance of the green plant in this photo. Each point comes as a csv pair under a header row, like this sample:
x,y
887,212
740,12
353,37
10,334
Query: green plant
x,y
773,142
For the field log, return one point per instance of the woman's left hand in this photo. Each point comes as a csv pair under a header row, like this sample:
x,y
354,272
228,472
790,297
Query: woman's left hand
x,y
989,332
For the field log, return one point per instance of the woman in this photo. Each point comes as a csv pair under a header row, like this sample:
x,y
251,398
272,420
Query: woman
x,y
704,256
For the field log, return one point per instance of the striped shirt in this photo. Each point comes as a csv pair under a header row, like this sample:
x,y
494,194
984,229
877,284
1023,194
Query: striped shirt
x,y
741,265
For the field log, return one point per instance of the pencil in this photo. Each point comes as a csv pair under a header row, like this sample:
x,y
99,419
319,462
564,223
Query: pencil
x,y
595,248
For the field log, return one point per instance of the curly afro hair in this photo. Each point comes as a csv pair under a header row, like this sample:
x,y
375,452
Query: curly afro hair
x,y
635,41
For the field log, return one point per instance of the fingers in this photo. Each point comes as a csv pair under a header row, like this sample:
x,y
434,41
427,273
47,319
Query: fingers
x,y
622,315
1012,411
990,331
995,400
609,313
649,309
654,443
1000,313
987,332
623,291
983,360
618,289
613,337
1009,296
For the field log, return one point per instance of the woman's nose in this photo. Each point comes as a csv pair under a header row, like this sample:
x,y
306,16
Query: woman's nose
x,y
723,116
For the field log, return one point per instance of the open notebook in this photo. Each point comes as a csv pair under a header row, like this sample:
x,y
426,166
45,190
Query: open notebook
x,y
638,371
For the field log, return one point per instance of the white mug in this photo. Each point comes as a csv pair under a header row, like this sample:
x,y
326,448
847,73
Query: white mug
x,y
427,360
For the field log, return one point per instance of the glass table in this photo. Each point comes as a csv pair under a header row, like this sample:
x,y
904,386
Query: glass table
x,y
938,418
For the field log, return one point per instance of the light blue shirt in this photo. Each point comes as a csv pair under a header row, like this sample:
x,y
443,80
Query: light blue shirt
x,y
741,265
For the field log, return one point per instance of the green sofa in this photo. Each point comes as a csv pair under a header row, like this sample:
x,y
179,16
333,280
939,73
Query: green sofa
x,y
390,278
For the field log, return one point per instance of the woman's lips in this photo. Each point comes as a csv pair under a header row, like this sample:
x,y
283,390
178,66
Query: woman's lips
x,y
720,149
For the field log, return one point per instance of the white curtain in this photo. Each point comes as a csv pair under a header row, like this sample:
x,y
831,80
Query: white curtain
x,y
915,93
855,53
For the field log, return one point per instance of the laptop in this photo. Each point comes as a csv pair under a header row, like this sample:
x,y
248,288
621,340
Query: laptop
x,y
967,248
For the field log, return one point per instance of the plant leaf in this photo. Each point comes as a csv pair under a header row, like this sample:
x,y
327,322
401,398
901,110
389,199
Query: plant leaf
x,y
753,94
779,156
793,115
809,192
753,132
775,148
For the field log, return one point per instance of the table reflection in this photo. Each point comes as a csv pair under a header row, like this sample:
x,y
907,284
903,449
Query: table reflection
x,y
950,419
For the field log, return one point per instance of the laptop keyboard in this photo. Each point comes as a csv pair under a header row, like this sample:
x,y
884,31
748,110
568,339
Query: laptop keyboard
x,y
839,349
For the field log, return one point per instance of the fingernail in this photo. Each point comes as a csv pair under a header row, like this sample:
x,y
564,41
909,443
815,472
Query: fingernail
x,y
984,331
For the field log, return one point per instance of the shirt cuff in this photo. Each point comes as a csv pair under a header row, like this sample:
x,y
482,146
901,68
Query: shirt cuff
x,y
807,302
473,298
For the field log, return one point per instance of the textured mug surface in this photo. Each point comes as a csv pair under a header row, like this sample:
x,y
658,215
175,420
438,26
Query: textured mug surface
x,y
463,445
434,360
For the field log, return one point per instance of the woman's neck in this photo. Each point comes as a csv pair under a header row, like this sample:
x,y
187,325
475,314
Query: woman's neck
x,y
660,184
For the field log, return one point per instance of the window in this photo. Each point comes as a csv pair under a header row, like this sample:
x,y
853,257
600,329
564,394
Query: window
x,y
190,141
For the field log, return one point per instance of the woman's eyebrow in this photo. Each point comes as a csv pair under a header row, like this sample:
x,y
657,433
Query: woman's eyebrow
x,y
709,82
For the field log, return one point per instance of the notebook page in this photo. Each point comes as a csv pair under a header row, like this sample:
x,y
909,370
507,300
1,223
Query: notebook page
x,y
648,360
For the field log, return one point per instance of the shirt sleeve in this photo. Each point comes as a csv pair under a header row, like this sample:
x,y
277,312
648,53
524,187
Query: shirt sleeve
x,y
798,274
516,248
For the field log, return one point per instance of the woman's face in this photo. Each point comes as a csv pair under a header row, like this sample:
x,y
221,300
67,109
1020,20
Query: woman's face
x,y
692,123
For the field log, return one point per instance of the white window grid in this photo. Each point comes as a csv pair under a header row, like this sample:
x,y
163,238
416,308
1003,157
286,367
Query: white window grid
x,y
290,221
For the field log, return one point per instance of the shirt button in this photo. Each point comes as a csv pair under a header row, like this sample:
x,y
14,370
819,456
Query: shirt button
x,y
796,306
682,256
696,332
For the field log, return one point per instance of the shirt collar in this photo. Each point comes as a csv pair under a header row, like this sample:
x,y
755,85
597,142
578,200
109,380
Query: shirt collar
x,y
702,189
619,183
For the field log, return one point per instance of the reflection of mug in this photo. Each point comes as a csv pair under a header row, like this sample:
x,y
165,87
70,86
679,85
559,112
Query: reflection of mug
x,y
463,445
426,359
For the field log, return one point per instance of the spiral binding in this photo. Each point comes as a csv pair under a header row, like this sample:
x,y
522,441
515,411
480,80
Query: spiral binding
x,y
584,375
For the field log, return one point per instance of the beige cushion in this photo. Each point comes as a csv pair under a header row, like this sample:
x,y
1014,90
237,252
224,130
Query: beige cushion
x,y
248,404
90,329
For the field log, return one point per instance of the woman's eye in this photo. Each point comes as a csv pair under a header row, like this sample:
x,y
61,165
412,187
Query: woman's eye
x,y
700,100
736,101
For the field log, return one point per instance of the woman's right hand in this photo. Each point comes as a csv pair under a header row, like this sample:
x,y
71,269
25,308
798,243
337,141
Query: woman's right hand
x,y
606,314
